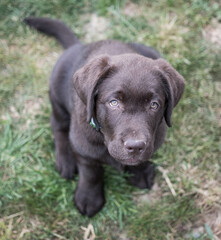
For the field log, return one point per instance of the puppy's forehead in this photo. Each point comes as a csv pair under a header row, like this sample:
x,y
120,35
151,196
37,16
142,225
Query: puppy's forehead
x,y
133,60
134,78
135,72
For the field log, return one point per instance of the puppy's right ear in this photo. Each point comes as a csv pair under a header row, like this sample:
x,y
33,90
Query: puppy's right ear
x,y
87,80
174,84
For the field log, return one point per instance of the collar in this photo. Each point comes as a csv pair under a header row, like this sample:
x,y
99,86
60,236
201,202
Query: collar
x,y
94,124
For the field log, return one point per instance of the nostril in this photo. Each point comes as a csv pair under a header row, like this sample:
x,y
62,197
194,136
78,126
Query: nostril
x,y
134,145
140,149
130,149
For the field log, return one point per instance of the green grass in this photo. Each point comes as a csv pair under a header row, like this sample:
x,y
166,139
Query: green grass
x,y
35,202
166,214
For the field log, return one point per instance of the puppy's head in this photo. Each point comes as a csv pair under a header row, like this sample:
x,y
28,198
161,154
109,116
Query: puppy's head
x,y
129,97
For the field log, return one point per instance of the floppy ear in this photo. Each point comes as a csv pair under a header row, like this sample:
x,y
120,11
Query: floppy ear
x,y
87,79
174,85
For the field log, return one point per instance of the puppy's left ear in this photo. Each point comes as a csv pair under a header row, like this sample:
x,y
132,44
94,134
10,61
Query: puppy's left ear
x,y
87,79
174,86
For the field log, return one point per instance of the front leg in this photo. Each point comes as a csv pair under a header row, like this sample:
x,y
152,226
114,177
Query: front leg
x,y
89,195
142,175
65,159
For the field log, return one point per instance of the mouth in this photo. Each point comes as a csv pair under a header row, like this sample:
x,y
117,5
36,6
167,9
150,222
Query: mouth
x,y
130,161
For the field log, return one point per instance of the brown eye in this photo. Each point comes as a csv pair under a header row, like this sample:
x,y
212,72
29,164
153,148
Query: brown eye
x,y
114,103
154,105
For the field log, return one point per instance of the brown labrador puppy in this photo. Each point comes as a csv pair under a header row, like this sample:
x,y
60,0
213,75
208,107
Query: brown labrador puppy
x,y
111,102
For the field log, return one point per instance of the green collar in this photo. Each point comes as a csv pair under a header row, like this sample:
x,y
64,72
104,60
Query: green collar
x,y
94,124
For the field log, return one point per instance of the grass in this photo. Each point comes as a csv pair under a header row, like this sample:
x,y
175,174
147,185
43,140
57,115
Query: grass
x,y
35,203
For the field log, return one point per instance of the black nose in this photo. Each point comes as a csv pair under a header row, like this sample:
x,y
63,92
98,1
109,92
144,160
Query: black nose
x,y
135,146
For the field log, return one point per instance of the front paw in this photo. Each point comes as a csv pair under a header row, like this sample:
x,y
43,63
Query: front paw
x,y
89,202
142,176
66,166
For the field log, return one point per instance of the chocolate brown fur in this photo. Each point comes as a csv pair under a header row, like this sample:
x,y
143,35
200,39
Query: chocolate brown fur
x,y
85,80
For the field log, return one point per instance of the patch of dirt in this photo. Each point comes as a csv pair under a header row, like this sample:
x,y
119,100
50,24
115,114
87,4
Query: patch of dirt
x,y
16,226
218,115
151,197
132,10
96,28
32,106
208,199
213,219
212,32
123,236
170,32
49,61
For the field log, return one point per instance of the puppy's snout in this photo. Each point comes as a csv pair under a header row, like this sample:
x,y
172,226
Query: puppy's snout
x,y
135,145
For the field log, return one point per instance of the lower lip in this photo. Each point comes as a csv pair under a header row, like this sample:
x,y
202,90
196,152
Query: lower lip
x,y
131,162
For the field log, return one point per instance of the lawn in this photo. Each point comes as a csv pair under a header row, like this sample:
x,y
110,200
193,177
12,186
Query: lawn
x,y
185,202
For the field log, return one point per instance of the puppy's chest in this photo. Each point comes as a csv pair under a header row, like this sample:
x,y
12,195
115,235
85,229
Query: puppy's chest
x,y
86,141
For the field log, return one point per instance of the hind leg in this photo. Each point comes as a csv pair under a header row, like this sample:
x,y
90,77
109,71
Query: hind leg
x,y
65,162
142,175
